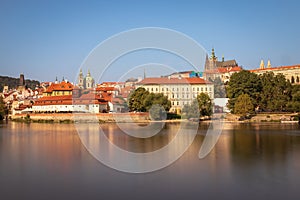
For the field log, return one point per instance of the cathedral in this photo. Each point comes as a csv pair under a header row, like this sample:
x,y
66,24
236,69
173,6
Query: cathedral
x,y
85,82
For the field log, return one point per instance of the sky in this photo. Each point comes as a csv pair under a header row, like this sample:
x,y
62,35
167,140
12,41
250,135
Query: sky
x,y
49,39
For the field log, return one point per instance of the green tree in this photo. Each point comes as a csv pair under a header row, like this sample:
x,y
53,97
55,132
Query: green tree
x,y
136,100
243,82
204,104
243,105
219,88
157,112
142,100
294,104
191,111
159,99
276,92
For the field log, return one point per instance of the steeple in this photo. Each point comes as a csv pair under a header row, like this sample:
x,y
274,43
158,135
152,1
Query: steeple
x,y
269,64
213,56
262,64
144,73
89,73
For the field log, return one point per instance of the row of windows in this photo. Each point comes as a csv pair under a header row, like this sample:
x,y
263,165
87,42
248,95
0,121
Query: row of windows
x,y
177,89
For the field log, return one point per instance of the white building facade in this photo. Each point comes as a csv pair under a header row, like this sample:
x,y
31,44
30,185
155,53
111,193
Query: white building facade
x,y
180,91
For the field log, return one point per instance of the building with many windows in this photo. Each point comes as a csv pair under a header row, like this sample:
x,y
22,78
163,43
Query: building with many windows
x,y
180,91
291,73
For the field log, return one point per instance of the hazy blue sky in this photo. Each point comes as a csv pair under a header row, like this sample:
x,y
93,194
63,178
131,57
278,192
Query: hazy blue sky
x,y
45,39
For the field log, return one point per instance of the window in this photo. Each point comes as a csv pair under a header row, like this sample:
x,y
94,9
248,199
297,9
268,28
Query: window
x,y
187,89
173,89
177,103
201,89
182,89
206,89
152,89
173,103
193,89
156,89
197,89
167,89
162,89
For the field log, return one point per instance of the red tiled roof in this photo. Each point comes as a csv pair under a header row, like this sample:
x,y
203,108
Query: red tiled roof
x,y
106,89
224,70
62,86
166,80
276,68
88,98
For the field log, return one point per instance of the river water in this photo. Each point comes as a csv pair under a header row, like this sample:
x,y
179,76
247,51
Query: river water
x,y
250,161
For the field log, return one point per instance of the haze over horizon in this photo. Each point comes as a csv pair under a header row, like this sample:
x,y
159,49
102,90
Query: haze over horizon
x,y
48,39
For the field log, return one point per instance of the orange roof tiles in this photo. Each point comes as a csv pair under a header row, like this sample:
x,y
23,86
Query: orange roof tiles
x,y
105,89
166,80
62,86
276,68
224,70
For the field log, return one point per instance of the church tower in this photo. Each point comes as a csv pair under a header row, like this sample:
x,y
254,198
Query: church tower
x,y
22,80
262,64
89,81
269,64
80,79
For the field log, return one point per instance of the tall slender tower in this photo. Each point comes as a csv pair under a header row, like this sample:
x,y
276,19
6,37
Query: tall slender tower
x,y
80,79
262,64
269,64
22,80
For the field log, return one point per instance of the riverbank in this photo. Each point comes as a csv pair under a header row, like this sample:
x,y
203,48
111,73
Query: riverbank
x,y
80,117
139,118
265,117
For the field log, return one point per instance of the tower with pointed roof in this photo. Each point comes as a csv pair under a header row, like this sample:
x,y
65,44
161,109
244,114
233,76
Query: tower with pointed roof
x,y
262,64
80,80
269,64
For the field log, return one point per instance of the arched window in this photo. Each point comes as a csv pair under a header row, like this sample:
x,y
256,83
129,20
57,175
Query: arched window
x,y
297,79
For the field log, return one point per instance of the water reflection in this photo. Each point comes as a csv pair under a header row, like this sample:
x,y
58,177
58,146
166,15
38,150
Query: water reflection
x,y
250,161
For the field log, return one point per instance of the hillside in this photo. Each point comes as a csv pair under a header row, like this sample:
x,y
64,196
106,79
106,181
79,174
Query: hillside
x,y
14,82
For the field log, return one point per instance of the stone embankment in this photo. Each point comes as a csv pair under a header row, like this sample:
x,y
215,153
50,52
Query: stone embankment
x,y
81,117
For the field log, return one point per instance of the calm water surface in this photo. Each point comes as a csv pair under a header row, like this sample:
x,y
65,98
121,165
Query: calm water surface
x,y
48,161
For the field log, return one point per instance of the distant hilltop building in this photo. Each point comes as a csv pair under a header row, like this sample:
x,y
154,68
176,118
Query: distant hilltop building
x,y
222,69
291,73
22,84
85,82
